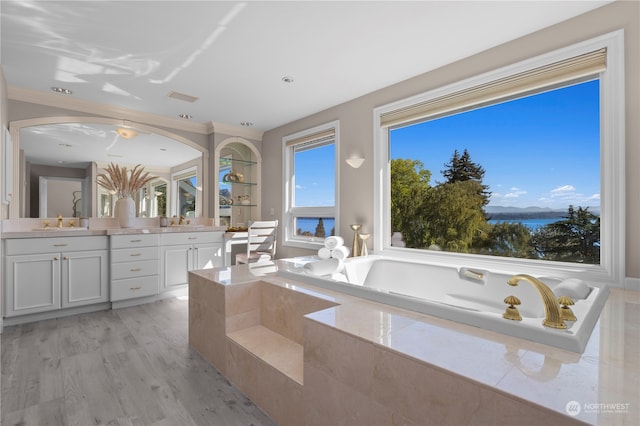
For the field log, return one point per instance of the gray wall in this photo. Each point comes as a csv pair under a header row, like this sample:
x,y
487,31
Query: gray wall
x,y
356,119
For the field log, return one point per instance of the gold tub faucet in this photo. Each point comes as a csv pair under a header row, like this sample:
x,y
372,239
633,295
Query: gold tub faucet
x,y
552,317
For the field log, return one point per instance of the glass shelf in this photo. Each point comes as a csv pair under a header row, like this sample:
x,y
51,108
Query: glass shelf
x,y
226,206
230,161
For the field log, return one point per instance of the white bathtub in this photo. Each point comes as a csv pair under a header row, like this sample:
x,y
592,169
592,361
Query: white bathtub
x,y
466,295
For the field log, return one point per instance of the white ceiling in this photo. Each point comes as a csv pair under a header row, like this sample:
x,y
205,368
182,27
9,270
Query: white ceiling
x,y
233,55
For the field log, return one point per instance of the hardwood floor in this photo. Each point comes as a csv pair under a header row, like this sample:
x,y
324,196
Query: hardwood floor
x,y
129,366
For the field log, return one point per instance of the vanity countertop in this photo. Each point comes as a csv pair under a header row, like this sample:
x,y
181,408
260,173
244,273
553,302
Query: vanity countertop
x,y
80,232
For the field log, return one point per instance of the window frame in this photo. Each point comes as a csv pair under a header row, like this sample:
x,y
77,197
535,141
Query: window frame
x,y
175,200
290,212
612,141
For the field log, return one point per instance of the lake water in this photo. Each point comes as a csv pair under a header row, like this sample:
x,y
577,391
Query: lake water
x,y
532,224
309,224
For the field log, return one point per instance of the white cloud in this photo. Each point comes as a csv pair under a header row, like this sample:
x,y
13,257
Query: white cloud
x,y
562,191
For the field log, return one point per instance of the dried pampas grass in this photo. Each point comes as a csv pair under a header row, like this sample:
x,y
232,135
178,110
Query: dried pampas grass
x,y
118,180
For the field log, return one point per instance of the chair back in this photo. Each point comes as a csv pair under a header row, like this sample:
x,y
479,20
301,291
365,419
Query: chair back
x,y
262,237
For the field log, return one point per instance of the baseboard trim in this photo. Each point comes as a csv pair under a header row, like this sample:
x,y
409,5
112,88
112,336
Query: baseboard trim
x,y
632,284
23,319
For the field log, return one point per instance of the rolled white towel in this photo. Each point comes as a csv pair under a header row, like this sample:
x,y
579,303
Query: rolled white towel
x,y
333,242
324,267
341,252
324,253
573,287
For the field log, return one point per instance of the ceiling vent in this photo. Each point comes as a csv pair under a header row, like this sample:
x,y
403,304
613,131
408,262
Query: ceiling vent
x,y
182,97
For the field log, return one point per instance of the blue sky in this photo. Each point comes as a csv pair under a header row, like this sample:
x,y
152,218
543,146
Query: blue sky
x,y
541,151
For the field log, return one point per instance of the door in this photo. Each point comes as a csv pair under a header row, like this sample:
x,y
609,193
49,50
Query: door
x,y
32,284
176,262
208,256
84,278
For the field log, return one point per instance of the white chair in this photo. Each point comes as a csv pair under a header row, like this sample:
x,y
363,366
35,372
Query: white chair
x,y
261,242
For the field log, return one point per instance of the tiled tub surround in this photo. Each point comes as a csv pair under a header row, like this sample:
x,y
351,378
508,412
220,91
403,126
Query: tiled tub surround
x,y
368,363
466,295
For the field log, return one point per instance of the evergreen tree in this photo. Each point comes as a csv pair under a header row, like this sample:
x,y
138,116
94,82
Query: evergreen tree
x,y
574,239
320,232
462,169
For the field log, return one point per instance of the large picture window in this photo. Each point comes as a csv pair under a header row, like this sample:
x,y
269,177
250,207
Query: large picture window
x,y
522,165
311,185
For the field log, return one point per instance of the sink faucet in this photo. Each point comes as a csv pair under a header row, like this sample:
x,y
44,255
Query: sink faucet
x,y
181,221
551,308
59,221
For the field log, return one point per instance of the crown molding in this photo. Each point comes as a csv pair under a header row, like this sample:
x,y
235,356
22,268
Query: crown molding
x,y
243,132
60,101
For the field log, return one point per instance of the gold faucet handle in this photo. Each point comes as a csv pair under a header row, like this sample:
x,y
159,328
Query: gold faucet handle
x,y
565,311
46,223
511,313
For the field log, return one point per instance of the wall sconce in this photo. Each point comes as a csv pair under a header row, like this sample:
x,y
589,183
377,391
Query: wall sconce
x,y
355,161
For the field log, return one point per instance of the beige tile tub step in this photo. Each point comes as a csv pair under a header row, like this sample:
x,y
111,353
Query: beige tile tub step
x,y
276,350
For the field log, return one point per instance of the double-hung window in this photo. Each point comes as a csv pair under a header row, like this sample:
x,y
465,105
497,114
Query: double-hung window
x,y
311,185
525,163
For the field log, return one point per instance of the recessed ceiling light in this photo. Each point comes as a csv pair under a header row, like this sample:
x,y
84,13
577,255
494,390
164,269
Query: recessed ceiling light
x,y
287,79
246,124
185,116
61,90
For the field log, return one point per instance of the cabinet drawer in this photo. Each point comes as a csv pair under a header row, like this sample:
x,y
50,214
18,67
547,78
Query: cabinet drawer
x,y
134,240
54,244
134,269
177,238
134,287
135,254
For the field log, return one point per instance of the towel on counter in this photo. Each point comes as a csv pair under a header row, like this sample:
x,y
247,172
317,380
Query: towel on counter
x,y
341,252
324,267
324,253
572,287
333,242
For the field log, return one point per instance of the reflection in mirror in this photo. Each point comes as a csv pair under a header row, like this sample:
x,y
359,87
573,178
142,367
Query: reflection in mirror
x,y
81,150
62,196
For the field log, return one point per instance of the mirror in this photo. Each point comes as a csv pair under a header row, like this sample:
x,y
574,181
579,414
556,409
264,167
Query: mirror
x,y
52,156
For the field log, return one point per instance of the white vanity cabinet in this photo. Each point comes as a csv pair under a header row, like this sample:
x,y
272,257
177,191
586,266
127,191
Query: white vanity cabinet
x,y
182,252
135,266
45,274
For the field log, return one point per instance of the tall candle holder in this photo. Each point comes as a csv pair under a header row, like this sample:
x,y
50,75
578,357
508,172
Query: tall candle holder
x,y
363,250
355,250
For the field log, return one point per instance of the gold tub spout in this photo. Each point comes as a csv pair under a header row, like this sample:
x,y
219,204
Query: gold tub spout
x,y
551,308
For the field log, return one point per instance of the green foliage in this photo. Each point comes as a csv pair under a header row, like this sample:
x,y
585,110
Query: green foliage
x,y
462,169
509,239
409,190
575,239
454,215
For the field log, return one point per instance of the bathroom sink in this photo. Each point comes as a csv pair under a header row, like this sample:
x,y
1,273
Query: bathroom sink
x,y
55,229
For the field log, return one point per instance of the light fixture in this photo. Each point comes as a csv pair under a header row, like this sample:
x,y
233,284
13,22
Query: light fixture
x,y
355,161
126,132
287,79
185,116
246,123
61,90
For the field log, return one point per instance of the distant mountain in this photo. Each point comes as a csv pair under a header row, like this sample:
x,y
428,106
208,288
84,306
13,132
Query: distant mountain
x,y
509,211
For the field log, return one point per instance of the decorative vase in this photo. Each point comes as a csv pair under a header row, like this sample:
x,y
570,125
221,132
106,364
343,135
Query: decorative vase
x,y
126,212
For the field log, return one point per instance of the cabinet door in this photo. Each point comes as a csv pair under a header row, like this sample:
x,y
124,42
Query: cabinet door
x,y
176,262
84,278
207,256
32,284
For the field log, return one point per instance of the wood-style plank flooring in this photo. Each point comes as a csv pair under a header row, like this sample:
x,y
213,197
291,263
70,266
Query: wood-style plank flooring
x,y
129,366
